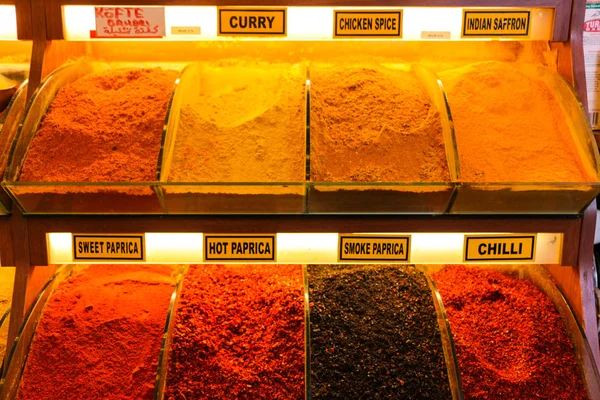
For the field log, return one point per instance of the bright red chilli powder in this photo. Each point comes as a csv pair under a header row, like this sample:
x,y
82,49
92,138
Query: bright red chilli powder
x,y
510,340
239,334
100,335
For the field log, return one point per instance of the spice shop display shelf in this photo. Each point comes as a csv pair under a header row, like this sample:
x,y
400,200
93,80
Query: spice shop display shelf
x,y
538,275
392,197
236,140
86,197
540,197
14,362
9,124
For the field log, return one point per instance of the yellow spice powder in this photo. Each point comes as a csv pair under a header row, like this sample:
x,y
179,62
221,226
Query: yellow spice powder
x,y
245,124
509,126
370,123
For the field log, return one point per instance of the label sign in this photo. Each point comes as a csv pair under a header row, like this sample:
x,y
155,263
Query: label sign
x,y
252,21
495,23
373,248
367,23
118,247
500,248
240,248
129,22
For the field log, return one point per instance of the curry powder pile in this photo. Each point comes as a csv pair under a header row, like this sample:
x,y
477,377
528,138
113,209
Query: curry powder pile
x,y
244,123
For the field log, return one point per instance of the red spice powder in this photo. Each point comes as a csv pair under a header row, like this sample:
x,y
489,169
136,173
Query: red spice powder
x,y
104,127
510,340
239,334
100,335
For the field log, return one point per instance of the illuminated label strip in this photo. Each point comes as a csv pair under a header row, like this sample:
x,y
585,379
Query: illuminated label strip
x,y
310,248
308,23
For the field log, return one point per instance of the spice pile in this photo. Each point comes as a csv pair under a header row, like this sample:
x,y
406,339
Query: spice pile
x,y
104,127
509,127
374,334
509,338
100,335
245,123
372,124
239,334
7,280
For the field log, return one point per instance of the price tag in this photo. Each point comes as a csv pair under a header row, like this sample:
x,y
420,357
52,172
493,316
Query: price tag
x,y
129,22
367,24
499,247
108,247
225,247
236,21
495,23
373,248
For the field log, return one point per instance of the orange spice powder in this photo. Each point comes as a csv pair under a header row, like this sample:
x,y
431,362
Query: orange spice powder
x,y
104,127
370,124
509,127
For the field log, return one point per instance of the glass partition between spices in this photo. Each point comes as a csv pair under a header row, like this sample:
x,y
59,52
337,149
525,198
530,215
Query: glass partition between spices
x,y
376,330
163,358
7,280
14,362
236,139
103,157
381,140
9,124
525,144
539,277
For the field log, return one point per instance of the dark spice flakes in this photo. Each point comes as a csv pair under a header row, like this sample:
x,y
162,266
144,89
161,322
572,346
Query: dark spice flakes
x,y
374,334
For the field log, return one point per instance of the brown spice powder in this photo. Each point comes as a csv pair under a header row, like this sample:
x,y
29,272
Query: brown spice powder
x,y
373,124
509,127
246,124
104,127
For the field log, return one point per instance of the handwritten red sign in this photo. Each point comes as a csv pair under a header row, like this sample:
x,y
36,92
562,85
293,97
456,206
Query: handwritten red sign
x,y
129,22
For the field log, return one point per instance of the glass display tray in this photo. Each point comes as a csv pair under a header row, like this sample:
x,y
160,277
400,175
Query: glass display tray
x,y
540,197
203,197
8,128
395,197
4,324
538,275
72,197
14,362
445,336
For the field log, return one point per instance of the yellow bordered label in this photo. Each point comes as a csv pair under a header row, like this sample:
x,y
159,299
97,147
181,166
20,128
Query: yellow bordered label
x,y
500,247
109,247
496,23
388,248
224,247
367,24
242,21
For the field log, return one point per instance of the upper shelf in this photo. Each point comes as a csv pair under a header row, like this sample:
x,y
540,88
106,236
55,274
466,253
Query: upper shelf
x,y
248,137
